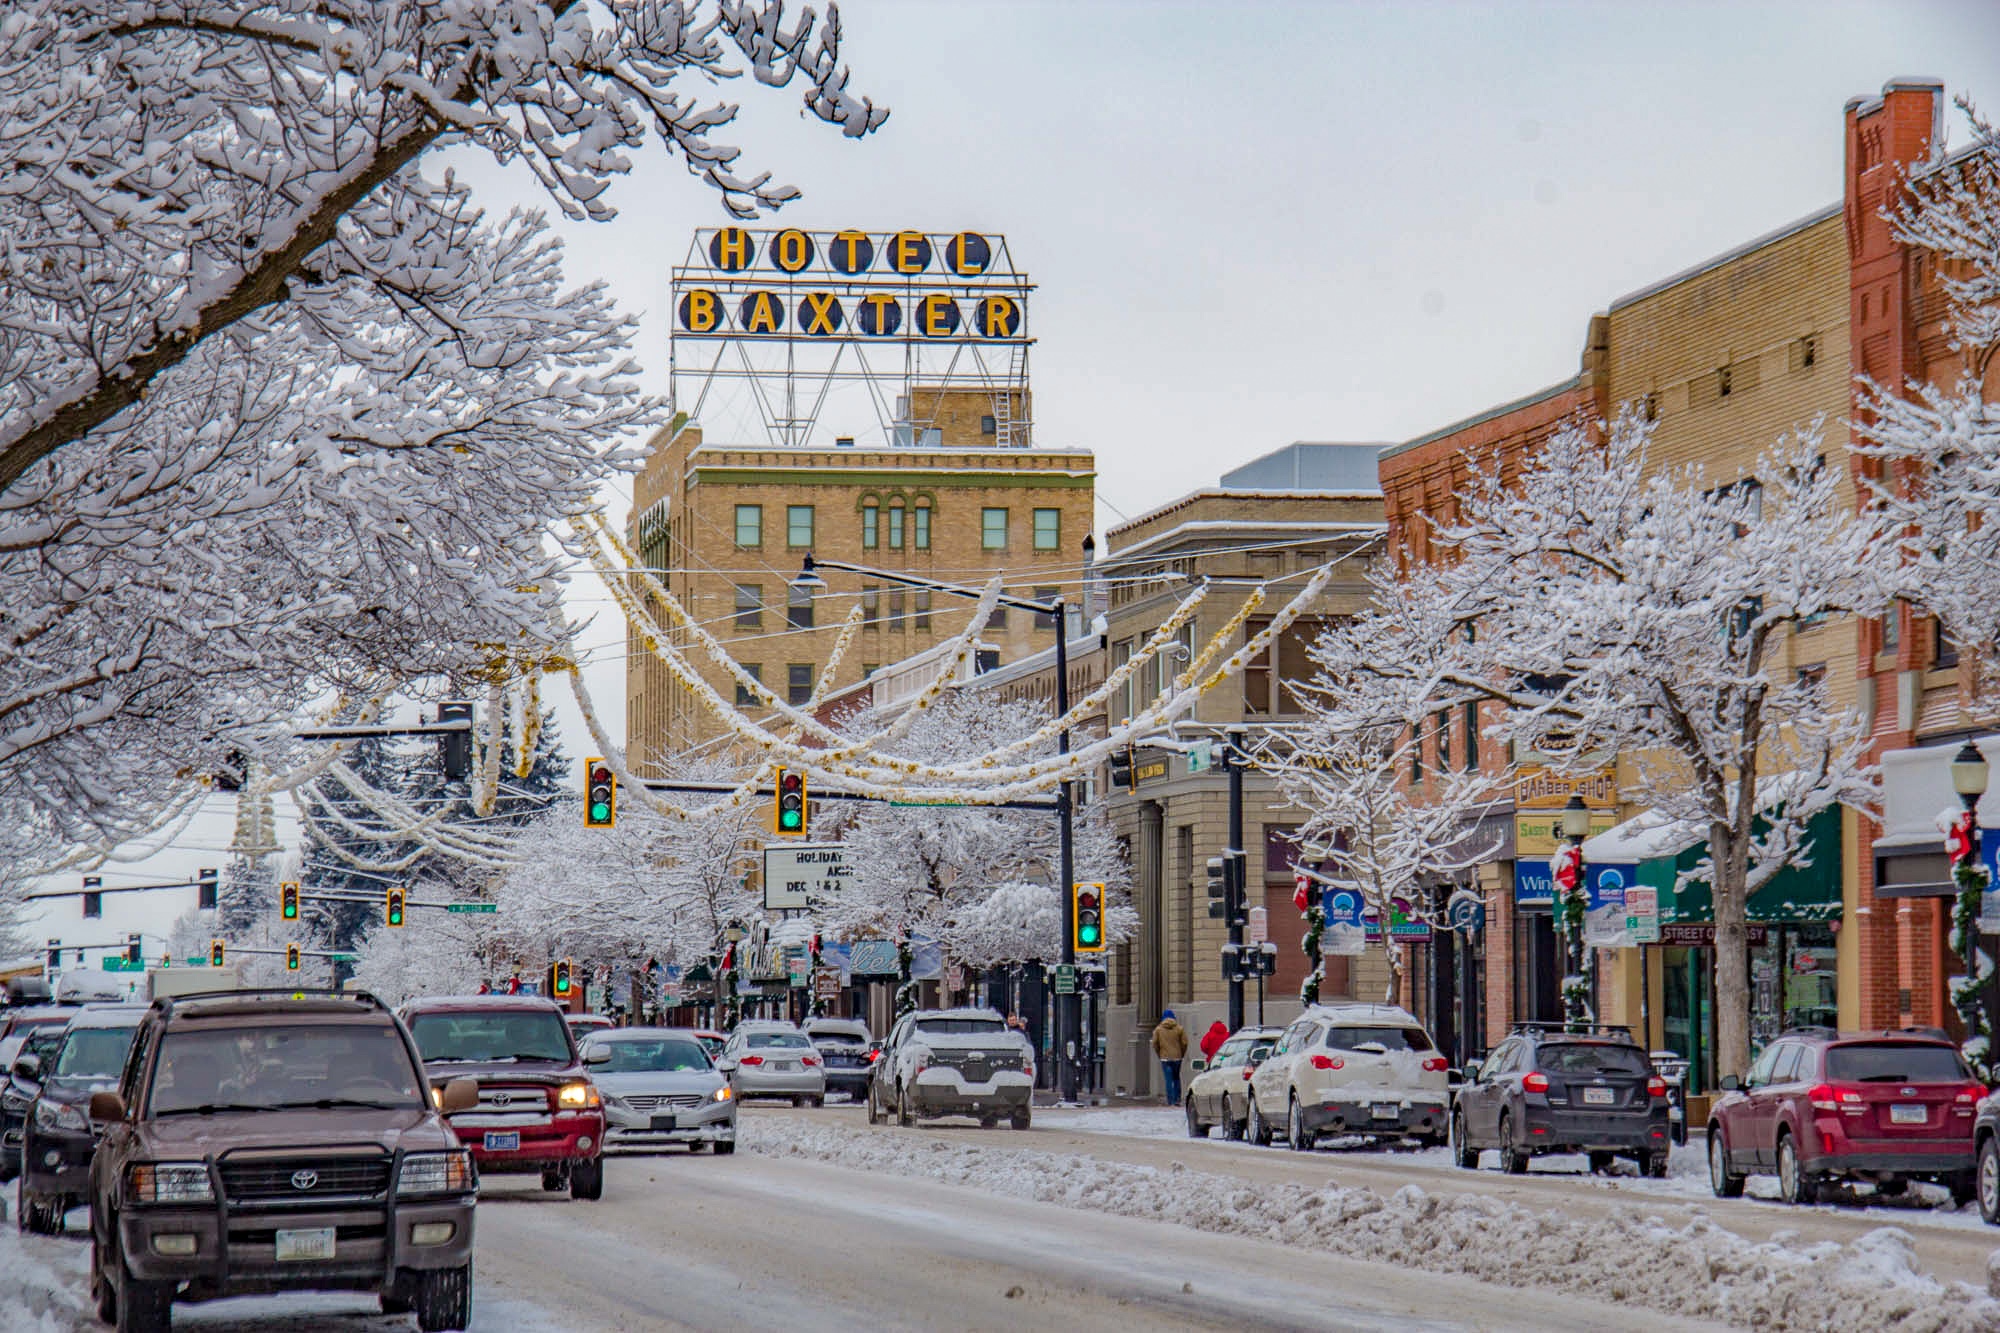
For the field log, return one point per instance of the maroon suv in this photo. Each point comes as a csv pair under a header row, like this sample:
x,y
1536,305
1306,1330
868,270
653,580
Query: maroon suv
x,y
538,1110
1885,1107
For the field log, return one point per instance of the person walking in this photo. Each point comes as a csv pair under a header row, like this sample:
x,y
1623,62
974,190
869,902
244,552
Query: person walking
x,y
1211,1040
1170,1043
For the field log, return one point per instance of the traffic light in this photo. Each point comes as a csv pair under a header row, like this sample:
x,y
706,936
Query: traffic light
x,y
1087,918
1121,770
455,747
559,978
134,951
215,953
55,955
393,910
600,795
788,819
288,901
205,888
93,902
291,958
1218,888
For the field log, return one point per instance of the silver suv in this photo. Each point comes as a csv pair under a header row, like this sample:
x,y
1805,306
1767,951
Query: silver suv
x,y
953,1062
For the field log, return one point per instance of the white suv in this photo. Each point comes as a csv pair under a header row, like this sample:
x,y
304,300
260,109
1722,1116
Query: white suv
x,y
1351,1069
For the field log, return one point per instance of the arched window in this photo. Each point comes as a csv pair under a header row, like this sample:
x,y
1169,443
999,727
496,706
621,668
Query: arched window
x,y
896,525
920,522
871,525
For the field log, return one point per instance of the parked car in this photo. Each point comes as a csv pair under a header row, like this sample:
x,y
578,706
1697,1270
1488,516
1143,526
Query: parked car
x,y
938,1062
845,1045
659,1088
20,1084
1818,1106
266,1141
711,1040
15,1024
58,1139
1545,1090
1368,1069
582,1025
766,1058
1219,1093
1986,1158
537,1109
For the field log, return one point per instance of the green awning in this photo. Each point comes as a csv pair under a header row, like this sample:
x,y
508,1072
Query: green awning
x,y
1796,893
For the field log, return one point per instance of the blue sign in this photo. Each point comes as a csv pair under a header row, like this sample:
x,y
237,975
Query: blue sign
x,y
1532,885
1341,907
1604,883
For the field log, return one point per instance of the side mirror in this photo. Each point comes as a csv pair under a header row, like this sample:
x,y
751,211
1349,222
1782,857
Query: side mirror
x,y
461,1094
597,1055
28,1067
1731,1083
726,1066
1454,1077
106,1106
1200,1063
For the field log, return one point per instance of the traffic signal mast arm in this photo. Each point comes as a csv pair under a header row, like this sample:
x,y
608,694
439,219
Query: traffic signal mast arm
x,y
202,880
337,897
732,788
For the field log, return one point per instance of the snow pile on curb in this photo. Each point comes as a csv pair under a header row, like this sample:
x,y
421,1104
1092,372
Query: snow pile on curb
x,y
42,1282
1700,1270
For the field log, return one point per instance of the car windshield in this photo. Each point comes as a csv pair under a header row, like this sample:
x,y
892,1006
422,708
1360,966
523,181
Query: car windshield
x,y
665,1056
1591,1057
468,1038
783,1040
281,1068
93,1052
43,1041
1895,1062
962,1027
1393,1039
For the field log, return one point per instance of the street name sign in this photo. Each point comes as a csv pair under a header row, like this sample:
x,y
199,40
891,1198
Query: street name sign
x,y
472,907
1065,979
796,874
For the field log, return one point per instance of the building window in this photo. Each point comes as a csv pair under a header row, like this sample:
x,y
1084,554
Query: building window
x,y
993,529
1805,352
1048,529
921,521
749,525
896,599
896,527
749,606
799,608
871,604
799,683
871,526
1649,407
744,698
1944,653
1416,755
799,525
869,668
923,601
998,620
1892,628
988,426
1044,619
1443,740
1725,380
1814,676
1471,735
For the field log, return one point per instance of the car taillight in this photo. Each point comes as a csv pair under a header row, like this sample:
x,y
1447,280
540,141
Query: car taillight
x,y
1328,1062
1248,1071
809,1061
751,1060
1436,1064
874,1056
1656,1086
1535,1083
1826,1097
1971,1096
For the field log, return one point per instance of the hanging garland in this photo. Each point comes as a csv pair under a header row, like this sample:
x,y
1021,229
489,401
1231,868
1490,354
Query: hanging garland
x,y
1968,992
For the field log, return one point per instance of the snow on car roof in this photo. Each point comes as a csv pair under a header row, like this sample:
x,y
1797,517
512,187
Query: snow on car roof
x,y
1364,1013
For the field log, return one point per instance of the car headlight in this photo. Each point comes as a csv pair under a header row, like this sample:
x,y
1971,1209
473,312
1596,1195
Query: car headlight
x,y
13,1103
724,1093
435,1173
61,1115
168,1182
577,1096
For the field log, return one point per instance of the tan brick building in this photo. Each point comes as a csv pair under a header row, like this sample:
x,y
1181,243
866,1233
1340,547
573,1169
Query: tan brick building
x,y
728,527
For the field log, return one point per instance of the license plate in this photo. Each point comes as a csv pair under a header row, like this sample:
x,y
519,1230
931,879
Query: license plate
x,y
1599,1097
304,1244
783,1064
503,1140
1386,1113
1909,1115
663,1123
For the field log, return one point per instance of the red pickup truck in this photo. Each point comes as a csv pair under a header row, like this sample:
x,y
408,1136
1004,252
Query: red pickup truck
x,y
538,1111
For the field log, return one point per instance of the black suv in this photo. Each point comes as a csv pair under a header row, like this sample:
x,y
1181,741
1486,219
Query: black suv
x,y
1548,1090
58,1139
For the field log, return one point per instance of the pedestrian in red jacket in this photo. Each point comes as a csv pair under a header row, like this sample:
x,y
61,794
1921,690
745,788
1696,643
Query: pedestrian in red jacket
x,y
1211,1040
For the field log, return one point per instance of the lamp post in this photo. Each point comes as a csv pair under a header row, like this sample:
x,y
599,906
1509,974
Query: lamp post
x,y
1068,1012
1575,896
1969,773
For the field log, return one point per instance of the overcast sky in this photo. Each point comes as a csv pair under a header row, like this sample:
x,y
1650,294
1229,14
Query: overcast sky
x,y
1257,223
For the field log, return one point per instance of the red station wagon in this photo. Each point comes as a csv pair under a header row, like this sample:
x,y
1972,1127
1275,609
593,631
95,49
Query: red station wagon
x,y
1819,1106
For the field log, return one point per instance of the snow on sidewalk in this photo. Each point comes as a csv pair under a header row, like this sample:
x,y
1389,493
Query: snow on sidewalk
x,y
1699,1270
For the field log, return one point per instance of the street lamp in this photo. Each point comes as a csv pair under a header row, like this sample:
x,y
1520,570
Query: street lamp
x,y
1069,1029
1575,898
1969,772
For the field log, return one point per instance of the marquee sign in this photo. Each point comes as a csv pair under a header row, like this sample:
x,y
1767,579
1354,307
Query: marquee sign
x,y
830,286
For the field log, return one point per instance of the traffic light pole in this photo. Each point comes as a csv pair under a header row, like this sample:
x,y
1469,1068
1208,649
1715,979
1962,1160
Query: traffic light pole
x,y
1237,868
1069,1011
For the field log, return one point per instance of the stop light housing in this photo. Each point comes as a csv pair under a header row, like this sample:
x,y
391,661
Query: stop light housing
x,y
789,815
55,955
288,901
1218,888
205,885
93,901
291,958
559,978
1087,917
215,953
1121,770
600,795
392,909
134,951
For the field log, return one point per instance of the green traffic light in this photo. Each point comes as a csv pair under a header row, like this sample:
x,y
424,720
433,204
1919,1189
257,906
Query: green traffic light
x,y
1087,932
600,811
790,819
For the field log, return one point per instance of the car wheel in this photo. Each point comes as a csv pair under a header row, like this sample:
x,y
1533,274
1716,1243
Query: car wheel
x,y
143,1307
1794,1185
819,1100
1514,1161
1463,1152
874,1113
1020,1118
586,1180
1988,1175
989,1122
904,1115
1600,1163
1196,1130
1297,1137
443,1298
1724,1185
1656,1165
101,1290
800,1101
397,1302
1964,1187
1258,1132
1232,1129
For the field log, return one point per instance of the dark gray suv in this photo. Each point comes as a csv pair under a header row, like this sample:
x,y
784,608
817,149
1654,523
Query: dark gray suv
x,y
1545,1090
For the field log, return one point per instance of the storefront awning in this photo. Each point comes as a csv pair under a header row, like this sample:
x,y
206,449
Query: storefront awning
x,y
1664,850
1910,860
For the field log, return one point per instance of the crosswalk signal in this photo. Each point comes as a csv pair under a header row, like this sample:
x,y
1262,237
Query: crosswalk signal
x,y
788,820
393,909
600,795
291,958
559,978
1088,917
288,901
215,953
